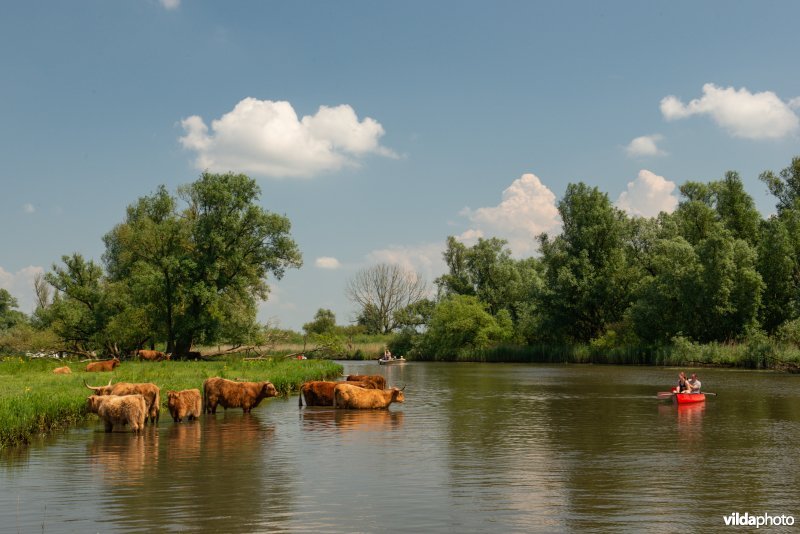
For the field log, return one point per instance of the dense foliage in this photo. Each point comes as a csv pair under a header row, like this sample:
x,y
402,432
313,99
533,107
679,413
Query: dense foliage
x,y
176,273
712,272
189,269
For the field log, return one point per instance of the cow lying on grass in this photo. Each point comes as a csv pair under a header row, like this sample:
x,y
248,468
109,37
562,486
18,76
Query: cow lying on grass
x,y
355,398
230,394
119,410
104,366
320,392
185,403
62,370
152,355
150,392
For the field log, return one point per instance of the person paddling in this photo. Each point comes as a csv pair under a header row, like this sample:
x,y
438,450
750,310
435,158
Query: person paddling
x,y
683,383
694,384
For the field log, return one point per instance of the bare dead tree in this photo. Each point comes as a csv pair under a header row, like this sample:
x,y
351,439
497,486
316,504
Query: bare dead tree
x,y
384,289
43,290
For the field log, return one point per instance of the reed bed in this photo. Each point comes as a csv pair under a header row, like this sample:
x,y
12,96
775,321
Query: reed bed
x,y
34,401
756,354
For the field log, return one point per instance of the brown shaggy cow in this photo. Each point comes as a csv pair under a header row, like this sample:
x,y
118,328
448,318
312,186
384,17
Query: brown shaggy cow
x,y
150,392
119,410
152,355
380,381
62,370
185,403
320,392
230,394
356,398
104,366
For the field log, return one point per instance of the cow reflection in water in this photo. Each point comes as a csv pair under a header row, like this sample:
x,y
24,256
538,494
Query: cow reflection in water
x,y
184,441
363,420
122,459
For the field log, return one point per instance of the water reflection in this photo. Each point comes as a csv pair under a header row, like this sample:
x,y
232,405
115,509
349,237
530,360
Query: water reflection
x,y
121,459
474,448
323,419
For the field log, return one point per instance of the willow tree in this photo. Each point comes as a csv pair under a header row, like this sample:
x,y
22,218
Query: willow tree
x,y
201,270
383,290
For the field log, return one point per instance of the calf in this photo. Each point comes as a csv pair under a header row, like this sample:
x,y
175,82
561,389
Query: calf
x,y
62,370
186,403
119,410
150,392
356,398
230,394
104,366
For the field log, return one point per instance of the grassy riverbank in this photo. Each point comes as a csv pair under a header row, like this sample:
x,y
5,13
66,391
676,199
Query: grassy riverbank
x,y
755,354
35,401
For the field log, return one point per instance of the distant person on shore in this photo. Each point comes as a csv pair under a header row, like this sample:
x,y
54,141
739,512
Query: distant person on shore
x,y
694,384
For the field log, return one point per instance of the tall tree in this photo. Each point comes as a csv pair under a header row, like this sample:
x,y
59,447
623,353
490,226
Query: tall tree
x,y
324,321
383,290
9,316
588,282
785,185
79,314
201,270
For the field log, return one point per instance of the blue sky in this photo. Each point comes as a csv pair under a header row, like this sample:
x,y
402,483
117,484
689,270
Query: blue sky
x,y
380,128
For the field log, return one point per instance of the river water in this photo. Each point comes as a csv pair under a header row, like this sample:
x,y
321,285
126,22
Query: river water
x,y
475,448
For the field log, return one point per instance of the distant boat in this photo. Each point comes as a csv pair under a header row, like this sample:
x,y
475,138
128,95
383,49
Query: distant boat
x,y
392,360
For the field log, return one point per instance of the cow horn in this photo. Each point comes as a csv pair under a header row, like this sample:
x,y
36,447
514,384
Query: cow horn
x,y
403,388
93,388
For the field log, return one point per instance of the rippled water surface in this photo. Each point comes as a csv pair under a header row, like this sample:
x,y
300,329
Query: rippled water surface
x,y
492,448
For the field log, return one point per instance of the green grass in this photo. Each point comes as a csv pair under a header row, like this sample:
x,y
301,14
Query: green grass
x,y
34,401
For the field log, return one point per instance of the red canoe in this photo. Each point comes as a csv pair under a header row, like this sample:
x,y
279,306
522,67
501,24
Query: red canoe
x,y
687,398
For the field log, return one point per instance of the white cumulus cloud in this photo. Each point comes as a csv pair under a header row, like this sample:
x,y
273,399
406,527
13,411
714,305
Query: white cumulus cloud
x,y
20,285
740,112
648,195
267,138
28,208
646,145
527,209
170,4
326,262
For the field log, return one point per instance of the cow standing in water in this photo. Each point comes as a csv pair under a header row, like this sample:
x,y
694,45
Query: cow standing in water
x,y
185,403
150,392
119,410
320,392
230,394
356,398
380,381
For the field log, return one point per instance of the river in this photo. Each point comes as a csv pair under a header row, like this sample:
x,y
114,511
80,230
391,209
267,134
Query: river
x,y
475,448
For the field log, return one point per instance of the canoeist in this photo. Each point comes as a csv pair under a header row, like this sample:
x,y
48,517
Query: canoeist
x,y
694,384
683,383
387,354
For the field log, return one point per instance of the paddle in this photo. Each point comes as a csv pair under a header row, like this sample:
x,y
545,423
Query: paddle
x,y
668,394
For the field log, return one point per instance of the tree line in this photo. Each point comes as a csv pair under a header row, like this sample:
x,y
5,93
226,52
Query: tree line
x,y
189,268
713,271
179,270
